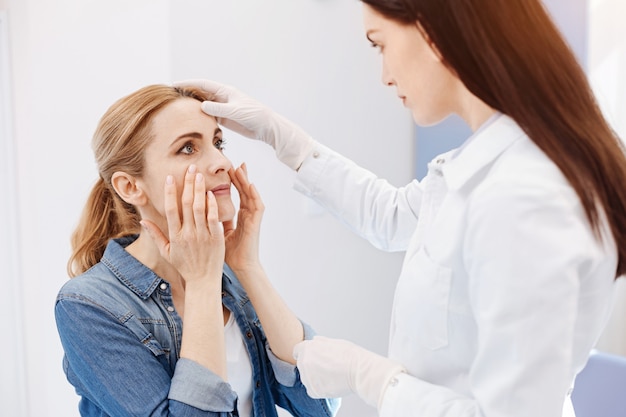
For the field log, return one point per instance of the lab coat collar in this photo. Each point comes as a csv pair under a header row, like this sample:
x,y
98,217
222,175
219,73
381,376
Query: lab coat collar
x,y
480,150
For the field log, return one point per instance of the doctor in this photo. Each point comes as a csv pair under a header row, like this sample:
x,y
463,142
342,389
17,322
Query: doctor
x,y
513,241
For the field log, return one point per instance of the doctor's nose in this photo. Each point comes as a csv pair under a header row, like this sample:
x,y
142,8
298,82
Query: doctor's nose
x,y
386,78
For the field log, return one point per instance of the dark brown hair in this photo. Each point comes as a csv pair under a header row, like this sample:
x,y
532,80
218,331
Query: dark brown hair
x,y
510,54
118,144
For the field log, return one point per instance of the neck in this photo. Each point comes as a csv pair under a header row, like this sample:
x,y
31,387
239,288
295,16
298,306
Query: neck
x,y
146,252
473,110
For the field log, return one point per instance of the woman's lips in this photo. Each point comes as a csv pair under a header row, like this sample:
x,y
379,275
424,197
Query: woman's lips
x,y
223,189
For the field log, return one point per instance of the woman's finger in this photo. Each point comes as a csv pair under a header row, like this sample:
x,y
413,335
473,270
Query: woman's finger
x,y
157,236
215,227
171,206
187,196
234,177
253,199
200,204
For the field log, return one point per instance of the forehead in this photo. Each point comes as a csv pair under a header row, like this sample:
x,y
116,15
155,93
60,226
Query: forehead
x,y
182,116
372,20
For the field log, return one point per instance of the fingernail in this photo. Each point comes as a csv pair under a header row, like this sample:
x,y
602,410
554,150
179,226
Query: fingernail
x,y
169,180
192,169
198,178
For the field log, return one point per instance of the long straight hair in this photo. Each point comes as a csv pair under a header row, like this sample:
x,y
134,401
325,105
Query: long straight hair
x,y
119,143
511,55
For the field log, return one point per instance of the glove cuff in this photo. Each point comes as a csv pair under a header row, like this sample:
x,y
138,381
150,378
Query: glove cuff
x,y
291,143
374,374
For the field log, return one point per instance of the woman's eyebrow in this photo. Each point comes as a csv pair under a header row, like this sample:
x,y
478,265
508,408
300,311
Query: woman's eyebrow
x,y
194,135
188,135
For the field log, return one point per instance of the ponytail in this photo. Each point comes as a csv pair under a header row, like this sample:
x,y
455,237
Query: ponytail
x,y
104,217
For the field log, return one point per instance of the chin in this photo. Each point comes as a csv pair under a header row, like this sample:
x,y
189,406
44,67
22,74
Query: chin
x,y
427,120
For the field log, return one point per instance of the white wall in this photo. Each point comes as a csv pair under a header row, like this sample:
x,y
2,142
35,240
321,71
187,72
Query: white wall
x,y
12,381
308,59
71,60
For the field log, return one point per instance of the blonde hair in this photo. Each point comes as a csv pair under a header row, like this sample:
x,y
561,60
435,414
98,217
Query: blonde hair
x,y
119,142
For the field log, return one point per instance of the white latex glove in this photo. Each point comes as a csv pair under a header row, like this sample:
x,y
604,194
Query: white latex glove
x,y
246,116
331,368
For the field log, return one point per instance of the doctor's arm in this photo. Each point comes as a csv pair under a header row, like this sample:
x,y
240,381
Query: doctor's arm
x,y
371,207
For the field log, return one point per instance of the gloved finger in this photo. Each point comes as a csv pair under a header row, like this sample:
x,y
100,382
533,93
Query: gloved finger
x,y
226,116
218,109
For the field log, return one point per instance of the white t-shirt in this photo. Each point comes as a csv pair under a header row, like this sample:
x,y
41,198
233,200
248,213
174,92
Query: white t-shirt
x,y
238,366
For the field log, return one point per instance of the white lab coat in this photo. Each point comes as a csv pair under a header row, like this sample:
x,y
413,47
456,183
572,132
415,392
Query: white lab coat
x,y
504,289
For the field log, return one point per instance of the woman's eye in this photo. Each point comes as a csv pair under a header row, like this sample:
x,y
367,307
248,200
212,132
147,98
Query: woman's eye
x,y
220,144
187,149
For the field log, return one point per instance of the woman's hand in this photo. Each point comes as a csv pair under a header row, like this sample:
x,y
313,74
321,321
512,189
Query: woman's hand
x,y
195,245
242,241
196,248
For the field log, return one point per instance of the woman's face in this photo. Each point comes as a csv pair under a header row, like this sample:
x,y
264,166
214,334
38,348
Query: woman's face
x,y
422,82
183,135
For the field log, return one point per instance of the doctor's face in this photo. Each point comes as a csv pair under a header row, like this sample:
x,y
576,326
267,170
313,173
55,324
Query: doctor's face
x,y
412,66
182,136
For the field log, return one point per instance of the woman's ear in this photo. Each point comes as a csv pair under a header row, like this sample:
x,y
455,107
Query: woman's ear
x,y
126,187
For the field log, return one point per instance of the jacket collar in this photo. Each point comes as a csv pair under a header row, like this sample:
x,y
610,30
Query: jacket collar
x,y
480,150
132,273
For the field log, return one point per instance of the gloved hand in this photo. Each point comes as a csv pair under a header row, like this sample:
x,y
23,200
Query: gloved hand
x,y
244,115
331,368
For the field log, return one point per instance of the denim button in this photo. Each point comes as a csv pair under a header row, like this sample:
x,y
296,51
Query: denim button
x,y
249,335
170,309
164,286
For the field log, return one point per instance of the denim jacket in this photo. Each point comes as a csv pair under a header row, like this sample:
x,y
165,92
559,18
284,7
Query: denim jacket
x,y
122,337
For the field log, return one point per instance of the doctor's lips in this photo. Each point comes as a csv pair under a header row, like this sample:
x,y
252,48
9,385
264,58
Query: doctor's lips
x,y
222,189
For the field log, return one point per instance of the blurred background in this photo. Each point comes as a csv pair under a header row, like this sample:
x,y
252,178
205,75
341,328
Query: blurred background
x,y
63,63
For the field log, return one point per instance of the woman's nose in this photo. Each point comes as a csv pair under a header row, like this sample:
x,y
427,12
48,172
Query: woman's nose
x,y
217,161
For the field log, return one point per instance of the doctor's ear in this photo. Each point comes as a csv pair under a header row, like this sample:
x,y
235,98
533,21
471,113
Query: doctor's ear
x,y
126,187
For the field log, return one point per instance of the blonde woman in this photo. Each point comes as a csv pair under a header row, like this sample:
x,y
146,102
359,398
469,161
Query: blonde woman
x,y
154,321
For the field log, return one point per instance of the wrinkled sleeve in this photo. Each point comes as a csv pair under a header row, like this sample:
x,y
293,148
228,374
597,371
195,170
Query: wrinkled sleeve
x,y
371,207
